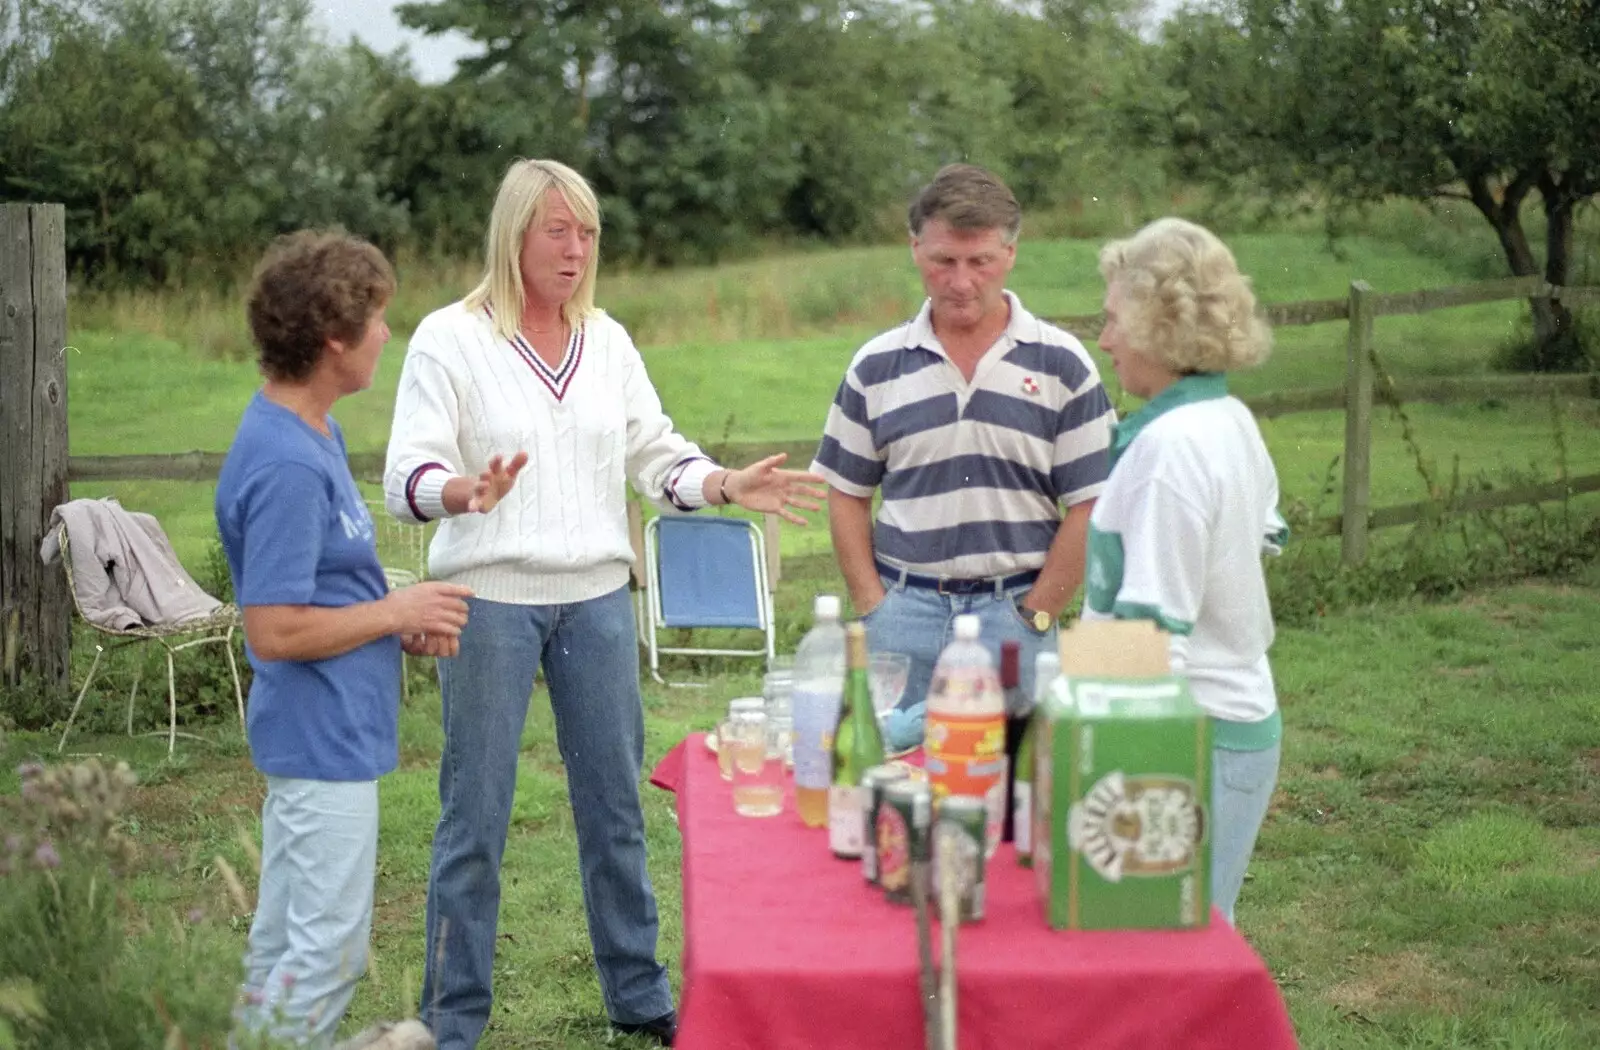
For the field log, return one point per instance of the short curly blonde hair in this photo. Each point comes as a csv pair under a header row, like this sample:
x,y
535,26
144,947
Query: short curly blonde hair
x,y
1184,302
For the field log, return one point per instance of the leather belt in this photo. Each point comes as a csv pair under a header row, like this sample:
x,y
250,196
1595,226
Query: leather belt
x,y
956,585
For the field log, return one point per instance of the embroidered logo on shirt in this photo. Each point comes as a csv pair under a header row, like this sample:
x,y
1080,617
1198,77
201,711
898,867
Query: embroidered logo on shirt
x,y
1030,386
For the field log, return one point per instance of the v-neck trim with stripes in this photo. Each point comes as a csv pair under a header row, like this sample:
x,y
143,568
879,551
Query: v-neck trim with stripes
x,y
555,380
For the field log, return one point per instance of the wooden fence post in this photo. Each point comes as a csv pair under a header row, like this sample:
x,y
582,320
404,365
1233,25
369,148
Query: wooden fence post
x,y
34,602
1357,427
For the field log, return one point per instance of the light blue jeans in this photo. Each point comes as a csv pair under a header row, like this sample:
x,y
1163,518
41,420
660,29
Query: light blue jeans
x,y
919,623
590,655
308,941
1241,789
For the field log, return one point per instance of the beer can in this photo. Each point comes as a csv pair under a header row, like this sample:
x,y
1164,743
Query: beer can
x,y
960,830
902,835
873,783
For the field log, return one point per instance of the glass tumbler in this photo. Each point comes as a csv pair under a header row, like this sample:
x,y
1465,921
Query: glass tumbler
x,y
725,731
757,777
777,688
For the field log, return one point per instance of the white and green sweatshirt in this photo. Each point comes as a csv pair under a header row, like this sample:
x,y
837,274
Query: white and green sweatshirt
x,y
1177,537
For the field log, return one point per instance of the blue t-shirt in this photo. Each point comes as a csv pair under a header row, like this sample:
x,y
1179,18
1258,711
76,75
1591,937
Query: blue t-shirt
x,y
296,532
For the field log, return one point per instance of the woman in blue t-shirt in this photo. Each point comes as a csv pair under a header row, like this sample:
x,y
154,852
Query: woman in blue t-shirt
x,y
323,631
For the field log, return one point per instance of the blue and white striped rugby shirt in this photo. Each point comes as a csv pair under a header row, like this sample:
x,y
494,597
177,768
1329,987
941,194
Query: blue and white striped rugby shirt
x,y
973,476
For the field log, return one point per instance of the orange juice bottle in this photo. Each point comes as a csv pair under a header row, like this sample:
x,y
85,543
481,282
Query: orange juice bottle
x,y
966,728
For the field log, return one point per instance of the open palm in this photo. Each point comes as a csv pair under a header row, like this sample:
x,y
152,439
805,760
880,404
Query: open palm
x,y
763,486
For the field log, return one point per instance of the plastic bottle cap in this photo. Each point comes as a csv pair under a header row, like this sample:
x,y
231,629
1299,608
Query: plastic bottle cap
x,y
967,627
826,607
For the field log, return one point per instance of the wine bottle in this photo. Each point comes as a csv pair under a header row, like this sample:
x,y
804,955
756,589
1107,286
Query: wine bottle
x,y
857,747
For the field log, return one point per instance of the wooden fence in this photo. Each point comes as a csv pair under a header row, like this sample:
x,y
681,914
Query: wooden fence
x,y
1355,398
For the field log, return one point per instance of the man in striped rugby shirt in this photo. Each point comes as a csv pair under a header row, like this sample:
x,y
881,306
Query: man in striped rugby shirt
x,y
987,431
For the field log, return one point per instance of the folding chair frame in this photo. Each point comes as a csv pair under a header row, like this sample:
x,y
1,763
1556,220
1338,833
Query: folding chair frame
x,y
655,619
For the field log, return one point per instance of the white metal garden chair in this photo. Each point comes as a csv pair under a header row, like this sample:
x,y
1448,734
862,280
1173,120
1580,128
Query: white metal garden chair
x,y
403,553
215,628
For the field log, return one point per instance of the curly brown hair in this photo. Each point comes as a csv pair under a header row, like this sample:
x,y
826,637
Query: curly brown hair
x,y
312,286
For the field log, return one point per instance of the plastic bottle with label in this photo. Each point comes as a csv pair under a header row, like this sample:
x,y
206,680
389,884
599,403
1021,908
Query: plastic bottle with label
x,y
966,729
814,705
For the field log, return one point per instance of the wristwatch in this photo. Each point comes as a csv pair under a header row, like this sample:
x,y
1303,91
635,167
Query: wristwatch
x,y
1038,619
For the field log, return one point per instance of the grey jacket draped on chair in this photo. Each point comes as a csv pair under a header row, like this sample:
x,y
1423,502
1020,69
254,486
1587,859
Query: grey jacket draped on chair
x,y
125,573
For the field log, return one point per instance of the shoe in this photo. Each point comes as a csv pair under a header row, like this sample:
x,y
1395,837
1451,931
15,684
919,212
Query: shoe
x,y
663,1029
406,1035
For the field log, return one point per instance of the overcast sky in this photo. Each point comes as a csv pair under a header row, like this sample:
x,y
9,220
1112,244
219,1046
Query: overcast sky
x,y
374,22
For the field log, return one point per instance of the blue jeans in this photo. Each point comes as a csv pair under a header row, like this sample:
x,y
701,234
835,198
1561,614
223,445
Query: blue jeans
x,y
1241,789
919,622
308,940
590,655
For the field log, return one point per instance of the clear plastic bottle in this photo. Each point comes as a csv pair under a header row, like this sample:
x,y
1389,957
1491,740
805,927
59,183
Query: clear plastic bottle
x,y
814,705
966,731
1047,668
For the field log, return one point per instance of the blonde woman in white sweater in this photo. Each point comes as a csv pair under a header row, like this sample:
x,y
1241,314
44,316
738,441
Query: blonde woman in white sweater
x,y
522,415
1190,507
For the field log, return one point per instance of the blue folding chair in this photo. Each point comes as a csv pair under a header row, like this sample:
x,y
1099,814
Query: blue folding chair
x,y
705,572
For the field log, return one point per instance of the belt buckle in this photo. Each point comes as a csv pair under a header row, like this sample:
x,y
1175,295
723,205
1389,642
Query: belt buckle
x,y
940,588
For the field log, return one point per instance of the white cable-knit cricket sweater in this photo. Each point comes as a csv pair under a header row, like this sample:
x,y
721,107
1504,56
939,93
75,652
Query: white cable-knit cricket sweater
x,y
589,427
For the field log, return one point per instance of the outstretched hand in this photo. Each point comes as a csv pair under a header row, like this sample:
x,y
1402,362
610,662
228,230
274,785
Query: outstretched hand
x,y
762,486
492,485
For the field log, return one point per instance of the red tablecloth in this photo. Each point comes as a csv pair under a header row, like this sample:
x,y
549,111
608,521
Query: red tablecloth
x,y
786,947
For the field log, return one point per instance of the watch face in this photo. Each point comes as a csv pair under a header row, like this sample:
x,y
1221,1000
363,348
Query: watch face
x,y
1041,621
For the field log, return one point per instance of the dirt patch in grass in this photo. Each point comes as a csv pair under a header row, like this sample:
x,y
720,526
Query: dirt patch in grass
x,y
399,911
414,758
1410,976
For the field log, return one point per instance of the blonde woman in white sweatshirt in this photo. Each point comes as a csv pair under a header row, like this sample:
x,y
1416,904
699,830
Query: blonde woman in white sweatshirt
x,y
1190,507
522,415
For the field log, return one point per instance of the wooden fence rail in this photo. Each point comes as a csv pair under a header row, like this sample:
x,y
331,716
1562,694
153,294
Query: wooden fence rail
x,y
1321,311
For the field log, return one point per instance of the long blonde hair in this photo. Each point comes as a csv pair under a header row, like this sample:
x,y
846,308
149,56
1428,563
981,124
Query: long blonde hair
x,y
524,199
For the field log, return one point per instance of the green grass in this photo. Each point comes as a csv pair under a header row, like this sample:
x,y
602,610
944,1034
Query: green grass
x,y
132,391
1429,876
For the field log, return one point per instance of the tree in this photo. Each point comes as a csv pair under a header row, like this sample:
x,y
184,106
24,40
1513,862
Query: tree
x,y
1486,100
646,99
181,134
848,75
110,127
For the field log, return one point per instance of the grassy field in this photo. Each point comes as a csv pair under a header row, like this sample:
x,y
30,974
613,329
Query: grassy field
x,y
750,371
1429,876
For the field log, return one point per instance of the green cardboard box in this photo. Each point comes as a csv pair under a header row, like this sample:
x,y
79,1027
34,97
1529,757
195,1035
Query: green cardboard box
x,y
1123,792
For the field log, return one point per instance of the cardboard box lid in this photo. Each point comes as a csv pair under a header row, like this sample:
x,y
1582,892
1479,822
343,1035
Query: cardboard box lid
x,y
1115,649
